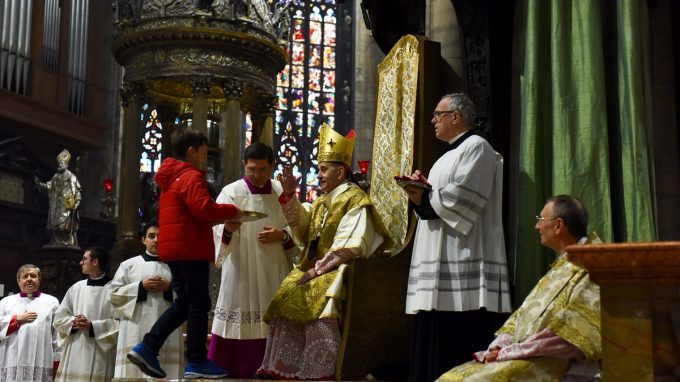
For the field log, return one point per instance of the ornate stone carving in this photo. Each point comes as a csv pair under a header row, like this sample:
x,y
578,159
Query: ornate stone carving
x,y
475,25
130,91
275,22
201,86
231,9
129,10
233,88
272,21
164,8
263,105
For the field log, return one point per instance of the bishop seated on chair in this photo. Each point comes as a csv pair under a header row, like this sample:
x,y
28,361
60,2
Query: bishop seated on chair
x,y
556,331
304,333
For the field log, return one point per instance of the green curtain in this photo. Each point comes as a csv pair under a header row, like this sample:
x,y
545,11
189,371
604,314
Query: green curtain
x,y
585,122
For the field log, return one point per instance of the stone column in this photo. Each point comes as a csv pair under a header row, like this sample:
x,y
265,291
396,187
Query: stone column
x,y
231,130
130,150
199,120
262,116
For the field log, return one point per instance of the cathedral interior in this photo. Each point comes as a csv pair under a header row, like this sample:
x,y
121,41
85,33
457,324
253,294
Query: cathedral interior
x,y
580,103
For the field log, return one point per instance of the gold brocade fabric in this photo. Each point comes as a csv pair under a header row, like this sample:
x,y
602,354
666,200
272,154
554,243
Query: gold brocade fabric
x,y
352,198
305,303
393,137
333,147
564,301
535,369
567,303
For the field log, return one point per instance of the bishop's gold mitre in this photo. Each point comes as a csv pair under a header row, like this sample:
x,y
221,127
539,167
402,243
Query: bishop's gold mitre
x,y
333,147
64,157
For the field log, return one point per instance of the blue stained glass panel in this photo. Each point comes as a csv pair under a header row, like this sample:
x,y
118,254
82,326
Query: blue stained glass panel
x,y
329,17
282,78
282,100
315,15
152,137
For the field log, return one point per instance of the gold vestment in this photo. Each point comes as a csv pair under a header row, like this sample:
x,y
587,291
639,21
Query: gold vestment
x,y
564,301
305,303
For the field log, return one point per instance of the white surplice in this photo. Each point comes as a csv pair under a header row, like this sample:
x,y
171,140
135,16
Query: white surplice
x,y
28,353
459,260
137,317
251,271
87,358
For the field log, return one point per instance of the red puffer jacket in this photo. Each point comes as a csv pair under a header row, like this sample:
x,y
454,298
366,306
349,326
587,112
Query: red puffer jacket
x,y
187,213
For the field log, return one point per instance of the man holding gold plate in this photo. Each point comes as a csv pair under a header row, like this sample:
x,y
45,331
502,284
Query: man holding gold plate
x,y
252,254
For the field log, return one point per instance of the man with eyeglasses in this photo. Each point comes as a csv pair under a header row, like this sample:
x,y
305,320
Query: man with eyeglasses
x,y
556,331
458,281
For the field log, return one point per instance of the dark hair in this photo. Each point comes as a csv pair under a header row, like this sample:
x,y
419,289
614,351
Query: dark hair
x,y
101,254
145,227
573,212
259,150
182,139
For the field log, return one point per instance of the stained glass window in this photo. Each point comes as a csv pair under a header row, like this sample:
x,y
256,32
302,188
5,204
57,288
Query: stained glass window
x,y
306,90
249,130
152,135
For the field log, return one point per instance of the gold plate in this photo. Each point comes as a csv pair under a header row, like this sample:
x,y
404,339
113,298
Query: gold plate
x,y
405,183
251,216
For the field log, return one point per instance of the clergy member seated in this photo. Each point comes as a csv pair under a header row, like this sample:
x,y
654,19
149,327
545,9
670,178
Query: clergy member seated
x,y
559,321
86,329
304,333
27,342
141,292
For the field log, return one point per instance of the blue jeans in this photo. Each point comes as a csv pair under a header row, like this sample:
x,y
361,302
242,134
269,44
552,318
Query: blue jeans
x,y
190,283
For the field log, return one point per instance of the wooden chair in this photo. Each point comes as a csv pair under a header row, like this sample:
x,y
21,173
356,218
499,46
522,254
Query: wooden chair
x,y
375,329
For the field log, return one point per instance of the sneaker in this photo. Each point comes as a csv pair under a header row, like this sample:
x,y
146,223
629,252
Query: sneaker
x,y
146,360
205,369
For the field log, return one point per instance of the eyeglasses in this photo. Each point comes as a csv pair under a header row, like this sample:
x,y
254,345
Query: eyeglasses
x,y
541,219
438,114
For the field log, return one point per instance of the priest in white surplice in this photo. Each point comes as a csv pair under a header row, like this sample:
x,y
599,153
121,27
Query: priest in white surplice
x,y
27,341
141,292
458,281
254,263
86,329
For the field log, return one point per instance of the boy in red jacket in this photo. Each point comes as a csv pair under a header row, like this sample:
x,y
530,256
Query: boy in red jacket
x,y
187,214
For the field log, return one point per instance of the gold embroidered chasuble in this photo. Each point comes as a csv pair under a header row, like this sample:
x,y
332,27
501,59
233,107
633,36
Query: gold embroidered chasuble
x,y
564,301
308,302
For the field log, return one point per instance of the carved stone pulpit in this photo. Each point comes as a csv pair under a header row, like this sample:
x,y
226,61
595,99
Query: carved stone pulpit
x,y
640,297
